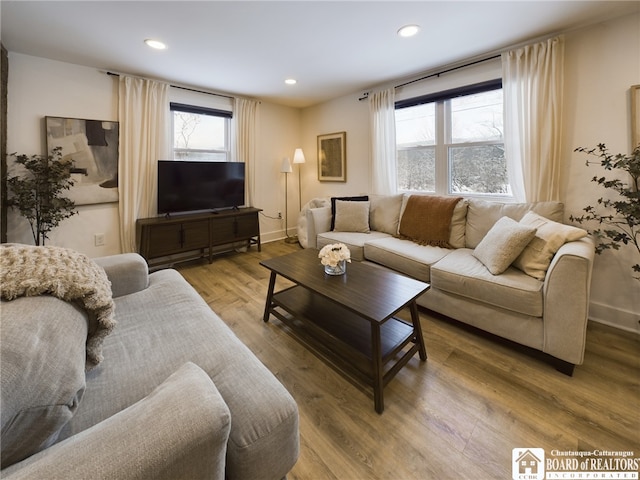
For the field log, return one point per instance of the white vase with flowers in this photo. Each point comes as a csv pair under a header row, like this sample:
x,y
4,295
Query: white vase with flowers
x,y
334,257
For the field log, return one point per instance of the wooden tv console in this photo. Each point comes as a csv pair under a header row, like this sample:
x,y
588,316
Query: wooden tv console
x,y
171,239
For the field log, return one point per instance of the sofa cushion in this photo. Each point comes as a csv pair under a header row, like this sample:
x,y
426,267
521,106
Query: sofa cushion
x,y
502,244
462,274
404,256
550,236
426,219
482,214
169,324
355,241
384,213
42,377
359,198
351,217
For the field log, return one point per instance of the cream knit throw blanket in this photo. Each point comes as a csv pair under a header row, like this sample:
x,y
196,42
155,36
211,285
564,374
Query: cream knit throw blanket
x,y
66,274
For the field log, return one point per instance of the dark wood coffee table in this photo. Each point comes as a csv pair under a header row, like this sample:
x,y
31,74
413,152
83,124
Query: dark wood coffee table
x,y
349,319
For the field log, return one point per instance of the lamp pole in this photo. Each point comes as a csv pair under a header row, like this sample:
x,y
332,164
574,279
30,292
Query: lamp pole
x,y
286,169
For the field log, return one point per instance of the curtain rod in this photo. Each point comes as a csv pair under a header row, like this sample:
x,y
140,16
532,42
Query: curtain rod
x,y
437,74
183,88
492,55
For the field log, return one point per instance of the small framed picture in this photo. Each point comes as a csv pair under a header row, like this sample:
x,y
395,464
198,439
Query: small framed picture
x,y
635,116
332,157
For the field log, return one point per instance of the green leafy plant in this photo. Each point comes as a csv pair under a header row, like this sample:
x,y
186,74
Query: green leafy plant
x,y
618,219
38,194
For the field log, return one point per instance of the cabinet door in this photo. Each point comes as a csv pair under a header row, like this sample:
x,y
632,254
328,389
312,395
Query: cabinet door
x,y
222,230
195,235
164,239
247,226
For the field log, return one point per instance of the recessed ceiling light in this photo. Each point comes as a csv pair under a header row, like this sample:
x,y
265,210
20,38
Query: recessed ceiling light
x,y
157,44
290,81
408,30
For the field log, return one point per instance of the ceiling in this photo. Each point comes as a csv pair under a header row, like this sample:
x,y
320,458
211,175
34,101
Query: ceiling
x,y
248,48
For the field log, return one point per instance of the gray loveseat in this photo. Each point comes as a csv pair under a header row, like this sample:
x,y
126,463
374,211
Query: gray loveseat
x,y
540,304
176,396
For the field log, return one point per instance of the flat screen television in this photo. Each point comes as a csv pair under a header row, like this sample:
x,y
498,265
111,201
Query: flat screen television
x,y
186,186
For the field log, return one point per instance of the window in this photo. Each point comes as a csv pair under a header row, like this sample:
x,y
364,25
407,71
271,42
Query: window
x,y
200,134
452,142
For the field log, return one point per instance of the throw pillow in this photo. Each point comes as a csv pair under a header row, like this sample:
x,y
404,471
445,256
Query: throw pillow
x,y
352,217
43,372
502,244
550,236
384,214
426,220
361,198
458,224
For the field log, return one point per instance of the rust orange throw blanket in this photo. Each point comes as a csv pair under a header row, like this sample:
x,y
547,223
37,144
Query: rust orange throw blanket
x,y
427,220
66,274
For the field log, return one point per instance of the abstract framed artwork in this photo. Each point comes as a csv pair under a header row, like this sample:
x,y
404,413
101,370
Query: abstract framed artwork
x,y
92,145
635,116
332,157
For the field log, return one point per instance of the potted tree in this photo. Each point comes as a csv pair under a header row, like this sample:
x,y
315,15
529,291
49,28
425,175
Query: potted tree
x,y
617,216
37,195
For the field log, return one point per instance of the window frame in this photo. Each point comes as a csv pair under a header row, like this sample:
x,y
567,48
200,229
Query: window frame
x,y
195,109
443,136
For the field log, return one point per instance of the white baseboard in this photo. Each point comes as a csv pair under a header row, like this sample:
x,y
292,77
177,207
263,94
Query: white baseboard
x,y
615,317
272,236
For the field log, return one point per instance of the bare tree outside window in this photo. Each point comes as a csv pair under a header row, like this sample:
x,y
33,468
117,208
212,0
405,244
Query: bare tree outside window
x,y
200,137
185,125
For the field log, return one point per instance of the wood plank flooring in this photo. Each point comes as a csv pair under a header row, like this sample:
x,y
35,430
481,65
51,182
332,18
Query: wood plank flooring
x,y
458,415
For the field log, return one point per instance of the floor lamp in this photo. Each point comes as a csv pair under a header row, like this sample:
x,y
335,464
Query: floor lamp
x,y
286,169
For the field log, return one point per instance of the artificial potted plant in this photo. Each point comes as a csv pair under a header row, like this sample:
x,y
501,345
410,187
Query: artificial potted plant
x,y
618,217
37,194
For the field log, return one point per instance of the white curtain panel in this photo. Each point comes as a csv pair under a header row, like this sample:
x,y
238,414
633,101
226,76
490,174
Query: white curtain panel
x,y
143,111
383,141
532,82
245,114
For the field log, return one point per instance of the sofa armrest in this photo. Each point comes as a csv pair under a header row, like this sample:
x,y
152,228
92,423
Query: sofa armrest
x,y
128,273
306,226
567,288
179,431
318,221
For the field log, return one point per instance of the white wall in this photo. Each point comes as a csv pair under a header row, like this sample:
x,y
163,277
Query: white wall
x,y
601,63
39,87
345,114
278,137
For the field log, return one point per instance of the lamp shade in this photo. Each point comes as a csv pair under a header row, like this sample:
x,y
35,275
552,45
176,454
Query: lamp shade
x,y
298,156
286,166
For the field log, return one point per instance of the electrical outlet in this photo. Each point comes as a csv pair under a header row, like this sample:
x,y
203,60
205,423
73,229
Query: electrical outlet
x,y
98,239
280,215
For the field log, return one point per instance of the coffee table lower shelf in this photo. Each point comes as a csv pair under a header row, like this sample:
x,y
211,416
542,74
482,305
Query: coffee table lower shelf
x,y
370,352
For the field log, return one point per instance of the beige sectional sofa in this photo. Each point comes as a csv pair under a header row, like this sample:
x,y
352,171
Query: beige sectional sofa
x,y
545,309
